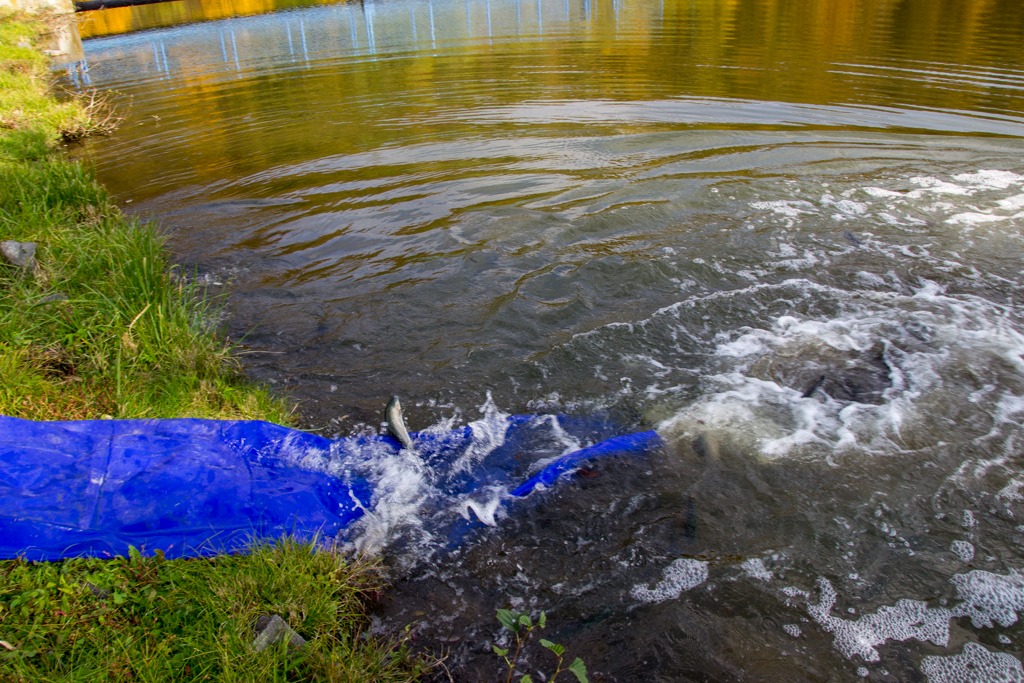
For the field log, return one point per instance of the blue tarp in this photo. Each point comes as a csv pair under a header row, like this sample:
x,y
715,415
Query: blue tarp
x,y
194,487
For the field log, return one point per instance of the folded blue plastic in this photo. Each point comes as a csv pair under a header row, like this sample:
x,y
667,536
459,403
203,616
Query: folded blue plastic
x,y
191,487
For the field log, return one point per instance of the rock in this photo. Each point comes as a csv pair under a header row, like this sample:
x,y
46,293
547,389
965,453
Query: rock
x,y
271,630
101,593
19,254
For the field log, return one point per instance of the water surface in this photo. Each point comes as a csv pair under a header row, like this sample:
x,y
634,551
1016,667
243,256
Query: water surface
x,y
788,235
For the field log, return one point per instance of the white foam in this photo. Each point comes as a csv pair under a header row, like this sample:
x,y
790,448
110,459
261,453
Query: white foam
x,y
1013,491
845,208
488,435
994,180
907,619
678,577
870,279
937,186
975,218
963,550
401,486
900,207
794,592
790,208
484,505
1014,203
975,665
882,193
989,598
792,629
755,569
916,345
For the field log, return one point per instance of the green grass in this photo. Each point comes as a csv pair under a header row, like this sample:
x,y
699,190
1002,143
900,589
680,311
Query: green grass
x,y
146,619
104,326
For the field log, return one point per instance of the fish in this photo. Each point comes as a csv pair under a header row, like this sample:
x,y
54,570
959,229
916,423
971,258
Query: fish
x,y
396,423
813,387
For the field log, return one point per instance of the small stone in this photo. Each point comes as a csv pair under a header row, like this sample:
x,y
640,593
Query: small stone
x,y
19,254
272,629
101,593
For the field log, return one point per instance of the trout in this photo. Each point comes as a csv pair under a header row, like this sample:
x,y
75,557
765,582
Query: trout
x,y
396,423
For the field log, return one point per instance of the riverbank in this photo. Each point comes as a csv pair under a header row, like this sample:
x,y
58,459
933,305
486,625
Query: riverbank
x,y
96,323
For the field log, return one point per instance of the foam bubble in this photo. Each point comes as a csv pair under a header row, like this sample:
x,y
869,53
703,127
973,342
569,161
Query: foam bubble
x,y
973,185
907,619
792,629
937,186
755,569
975,665
680,576
963,550
988,598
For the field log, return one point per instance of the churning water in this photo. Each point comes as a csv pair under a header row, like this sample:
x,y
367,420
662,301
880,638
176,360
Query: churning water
x,y
787,235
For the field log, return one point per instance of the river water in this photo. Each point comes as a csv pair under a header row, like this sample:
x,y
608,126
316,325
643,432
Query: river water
x,y
788,235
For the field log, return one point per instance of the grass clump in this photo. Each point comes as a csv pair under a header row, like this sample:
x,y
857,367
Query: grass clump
x,y
147,619
100,325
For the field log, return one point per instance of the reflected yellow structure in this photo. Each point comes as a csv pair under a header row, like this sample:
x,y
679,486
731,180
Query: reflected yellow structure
x,y
106,22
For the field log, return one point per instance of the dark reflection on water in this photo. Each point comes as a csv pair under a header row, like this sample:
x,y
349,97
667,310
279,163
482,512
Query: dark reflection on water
x,y
787,234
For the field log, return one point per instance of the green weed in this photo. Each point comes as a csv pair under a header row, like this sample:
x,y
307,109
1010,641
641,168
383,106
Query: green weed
x,y
521,626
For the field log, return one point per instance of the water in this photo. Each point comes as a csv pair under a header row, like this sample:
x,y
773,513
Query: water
x,y
786,235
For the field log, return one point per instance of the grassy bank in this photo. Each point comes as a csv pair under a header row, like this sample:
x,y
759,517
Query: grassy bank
x,y
146,619
101,325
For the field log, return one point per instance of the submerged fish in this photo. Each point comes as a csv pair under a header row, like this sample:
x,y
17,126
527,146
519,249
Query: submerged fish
x,y
813,387
396,423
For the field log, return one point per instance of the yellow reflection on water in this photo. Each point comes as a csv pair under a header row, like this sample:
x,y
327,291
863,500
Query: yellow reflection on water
x,y
516,67
105,22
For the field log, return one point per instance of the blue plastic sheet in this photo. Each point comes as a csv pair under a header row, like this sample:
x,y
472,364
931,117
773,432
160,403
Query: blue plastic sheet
x,y
191,487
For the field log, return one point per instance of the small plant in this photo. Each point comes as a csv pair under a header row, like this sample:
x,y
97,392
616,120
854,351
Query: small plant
x,y
521,626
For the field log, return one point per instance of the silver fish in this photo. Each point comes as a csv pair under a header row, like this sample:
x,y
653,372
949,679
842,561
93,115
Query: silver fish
x,y
396,423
